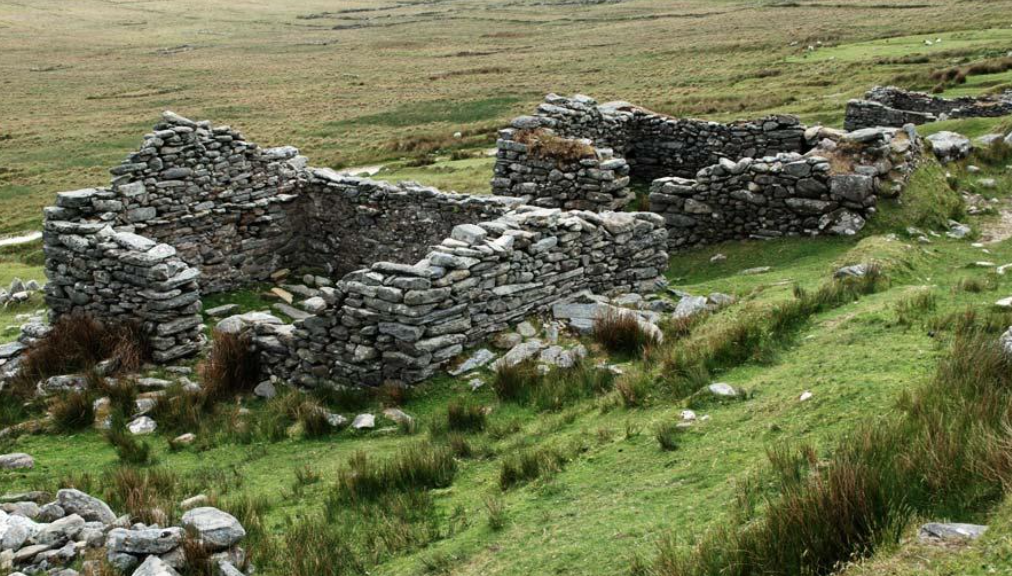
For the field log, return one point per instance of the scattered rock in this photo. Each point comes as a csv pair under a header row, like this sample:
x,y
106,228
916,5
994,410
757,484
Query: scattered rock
x,y
141,426
853,271
398,416
936,532
722,389
265,390
480,358
950,146
527,330
88,507
518,354
155,566
806,395
756,270
222,311
16,461
364,422
217,530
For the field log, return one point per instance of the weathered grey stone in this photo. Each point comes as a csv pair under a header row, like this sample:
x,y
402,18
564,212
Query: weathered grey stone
x,y
155,566
88,507
217,530
16,461
949,532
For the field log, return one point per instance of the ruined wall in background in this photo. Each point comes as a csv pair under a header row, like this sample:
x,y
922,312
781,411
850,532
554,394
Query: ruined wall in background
x,y
894,107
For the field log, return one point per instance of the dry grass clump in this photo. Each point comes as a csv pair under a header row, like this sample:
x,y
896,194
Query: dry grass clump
x,y
78,342
71,411
523,383
232,367
622,332
528,465
542,143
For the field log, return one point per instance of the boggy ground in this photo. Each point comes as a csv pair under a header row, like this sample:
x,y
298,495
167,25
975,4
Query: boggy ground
x,y
382,81
609,477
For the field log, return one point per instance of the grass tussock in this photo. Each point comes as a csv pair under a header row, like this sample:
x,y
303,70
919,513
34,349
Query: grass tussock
x,y
129,449
76,343
422,466
466,415
232,367
667,436
523,383
621,332
528,465
546,145
71,411
947,456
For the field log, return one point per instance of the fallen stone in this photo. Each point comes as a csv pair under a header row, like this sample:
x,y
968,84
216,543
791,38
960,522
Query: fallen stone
x,y
480,358
88,507
935,532
155,566
217,530
949,146
364,422
722,389
265,390
519,353
141,426
221,311
16,461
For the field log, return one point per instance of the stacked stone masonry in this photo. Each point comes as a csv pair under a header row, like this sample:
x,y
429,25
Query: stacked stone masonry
x,y
199,210
713,182
402,322
895,107
597,182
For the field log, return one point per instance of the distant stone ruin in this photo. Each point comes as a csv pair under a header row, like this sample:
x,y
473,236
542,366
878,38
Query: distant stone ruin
x,y
712,182
892,106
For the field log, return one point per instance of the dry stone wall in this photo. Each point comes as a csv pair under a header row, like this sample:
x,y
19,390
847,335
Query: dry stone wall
x,y
396,321
348,223
895,107
107,272
598,181
656,145
221,201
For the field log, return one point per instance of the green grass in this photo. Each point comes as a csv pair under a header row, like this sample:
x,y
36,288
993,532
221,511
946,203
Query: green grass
x,y
912,45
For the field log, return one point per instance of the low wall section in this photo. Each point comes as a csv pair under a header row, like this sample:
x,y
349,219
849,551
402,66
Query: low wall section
x,y
349,223
892,106
95,269
402,322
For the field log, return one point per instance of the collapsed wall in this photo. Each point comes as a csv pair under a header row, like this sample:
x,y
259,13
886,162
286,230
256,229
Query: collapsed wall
x,y
550,171
895,107
401,322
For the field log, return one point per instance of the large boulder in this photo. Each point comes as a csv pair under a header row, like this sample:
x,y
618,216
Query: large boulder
x,y
217,530
950,146
88,507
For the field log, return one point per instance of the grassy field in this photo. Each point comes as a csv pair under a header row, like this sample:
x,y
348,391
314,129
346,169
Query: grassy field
x,y
370,81
616,495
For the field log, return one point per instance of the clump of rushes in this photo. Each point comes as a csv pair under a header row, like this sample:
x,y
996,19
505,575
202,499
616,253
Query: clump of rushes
x,y
667,436
621,332
71,411
76,343
542,143
421,466
528,465
129,449
524,384
231,368
466,415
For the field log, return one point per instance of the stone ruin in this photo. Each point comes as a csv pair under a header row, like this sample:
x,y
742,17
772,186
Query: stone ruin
x,y
711,182
420,273
892,106
410,276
